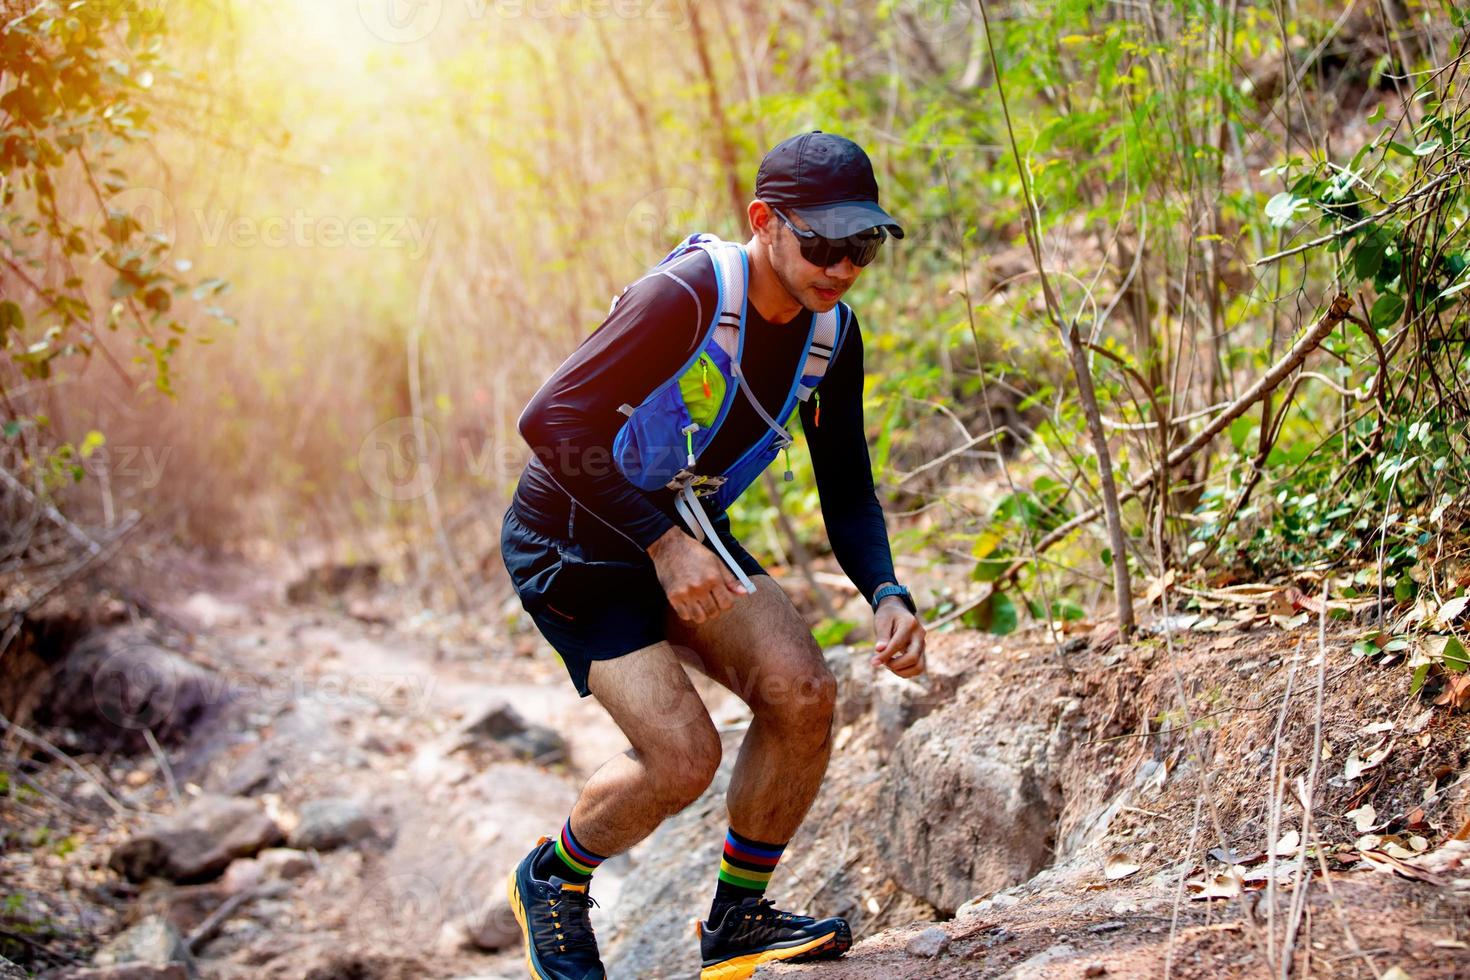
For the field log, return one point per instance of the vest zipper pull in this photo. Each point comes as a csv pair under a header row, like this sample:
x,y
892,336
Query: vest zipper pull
x,y
689,440
704,376
787,453
817,417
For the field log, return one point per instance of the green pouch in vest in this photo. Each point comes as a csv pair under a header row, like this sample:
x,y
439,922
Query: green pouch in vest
x,y
703,390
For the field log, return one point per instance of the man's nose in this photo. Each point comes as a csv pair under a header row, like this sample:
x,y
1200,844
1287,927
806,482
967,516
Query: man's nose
x,y
844,270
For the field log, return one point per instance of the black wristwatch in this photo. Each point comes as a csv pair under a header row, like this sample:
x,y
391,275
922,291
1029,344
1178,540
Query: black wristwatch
x,y
898,590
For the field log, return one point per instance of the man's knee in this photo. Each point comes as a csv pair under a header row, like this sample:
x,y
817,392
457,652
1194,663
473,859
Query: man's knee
x,y
684,770
797,692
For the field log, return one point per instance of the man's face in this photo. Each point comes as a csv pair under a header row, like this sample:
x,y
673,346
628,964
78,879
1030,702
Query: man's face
x,y
815,288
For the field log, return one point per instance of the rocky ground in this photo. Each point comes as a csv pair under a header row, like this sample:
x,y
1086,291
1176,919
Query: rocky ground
x,y
227,776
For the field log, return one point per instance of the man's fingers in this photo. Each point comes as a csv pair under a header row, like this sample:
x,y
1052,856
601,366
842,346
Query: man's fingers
x,y
732,584
722,597
892,646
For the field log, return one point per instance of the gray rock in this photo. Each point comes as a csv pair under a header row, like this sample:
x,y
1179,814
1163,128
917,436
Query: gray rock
x,y
9,971
115,685
284,862
502,724
328,824
493,926
151,943
972,805
198,842
896,703
1042,966
929,943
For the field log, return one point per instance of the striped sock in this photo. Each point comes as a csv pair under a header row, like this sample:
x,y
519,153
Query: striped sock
x,y
745,870
568,860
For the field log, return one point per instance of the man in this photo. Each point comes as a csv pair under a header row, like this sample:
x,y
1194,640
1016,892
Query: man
x,y
616,584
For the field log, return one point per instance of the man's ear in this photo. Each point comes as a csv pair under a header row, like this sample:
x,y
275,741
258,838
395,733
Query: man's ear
x,y
762,220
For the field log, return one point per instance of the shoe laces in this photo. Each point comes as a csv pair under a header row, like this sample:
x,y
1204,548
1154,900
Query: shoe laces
x,y
764,908
571,915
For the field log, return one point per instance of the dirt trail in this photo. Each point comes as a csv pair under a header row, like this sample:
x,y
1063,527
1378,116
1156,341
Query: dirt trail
x,y
966,827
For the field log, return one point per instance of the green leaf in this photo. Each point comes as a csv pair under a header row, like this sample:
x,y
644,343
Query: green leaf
x,y
11,318
1455,657
1368,256
1003,614
1417,681
1426,148
1283,207
1386,310
831,632
93,441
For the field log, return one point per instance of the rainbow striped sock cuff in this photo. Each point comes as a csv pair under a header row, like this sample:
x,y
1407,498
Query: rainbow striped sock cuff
x,y
747,863
574,855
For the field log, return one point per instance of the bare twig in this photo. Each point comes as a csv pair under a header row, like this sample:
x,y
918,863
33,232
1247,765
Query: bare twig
x,y
1283,368
1362,223
163,767
1081,370
41,743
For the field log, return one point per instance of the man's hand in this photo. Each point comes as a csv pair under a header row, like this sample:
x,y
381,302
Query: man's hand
x,y
900,638
698,584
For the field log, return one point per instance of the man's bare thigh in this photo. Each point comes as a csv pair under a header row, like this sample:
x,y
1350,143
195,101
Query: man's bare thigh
x,y
759,648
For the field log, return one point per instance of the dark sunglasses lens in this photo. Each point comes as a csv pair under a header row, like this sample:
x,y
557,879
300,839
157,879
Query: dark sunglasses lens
x,y
864,250
823,252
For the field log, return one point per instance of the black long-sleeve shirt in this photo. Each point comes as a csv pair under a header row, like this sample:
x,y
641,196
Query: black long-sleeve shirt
x,y
655,328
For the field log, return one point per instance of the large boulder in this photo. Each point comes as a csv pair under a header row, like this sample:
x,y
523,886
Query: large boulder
x,y
969,803
198,842
117,684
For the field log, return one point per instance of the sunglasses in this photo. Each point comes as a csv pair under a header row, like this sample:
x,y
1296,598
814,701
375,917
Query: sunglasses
x,y
824,252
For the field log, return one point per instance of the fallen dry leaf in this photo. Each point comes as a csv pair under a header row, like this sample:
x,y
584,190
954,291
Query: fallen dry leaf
x,y
1119,866
1363,817
1357,765
1288,844
1456,693
1281,603
1388,863
1214,886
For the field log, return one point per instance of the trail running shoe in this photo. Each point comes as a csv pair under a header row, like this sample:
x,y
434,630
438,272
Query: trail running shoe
x,y
555,923
756,932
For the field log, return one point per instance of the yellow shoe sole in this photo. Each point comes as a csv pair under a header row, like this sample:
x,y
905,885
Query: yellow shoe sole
x,y
520,914
741,967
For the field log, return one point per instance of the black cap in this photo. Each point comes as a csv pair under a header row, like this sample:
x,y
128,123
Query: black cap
x,y
826,179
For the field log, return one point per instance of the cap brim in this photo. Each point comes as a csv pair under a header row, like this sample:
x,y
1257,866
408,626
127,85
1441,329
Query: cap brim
x,y
848,218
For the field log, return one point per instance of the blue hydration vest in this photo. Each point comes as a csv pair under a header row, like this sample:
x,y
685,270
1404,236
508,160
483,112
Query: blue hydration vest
x,y
660,443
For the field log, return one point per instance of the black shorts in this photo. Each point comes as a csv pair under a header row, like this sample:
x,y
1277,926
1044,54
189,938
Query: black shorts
x,y
592,601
